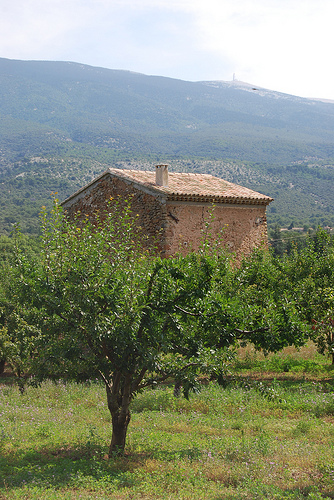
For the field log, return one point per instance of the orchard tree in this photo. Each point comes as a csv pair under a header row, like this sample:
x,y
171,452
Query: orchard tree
x,y
323,328
302,284
270,313
18,324
310,274
109,308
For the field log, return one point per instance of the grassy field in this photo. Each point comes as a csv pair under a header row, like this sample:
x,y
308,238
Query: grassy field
x,y
269,434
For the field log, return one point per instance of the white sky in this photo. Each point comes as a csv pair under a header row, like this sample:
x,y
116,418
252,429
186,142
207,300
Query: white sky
x,y
283,45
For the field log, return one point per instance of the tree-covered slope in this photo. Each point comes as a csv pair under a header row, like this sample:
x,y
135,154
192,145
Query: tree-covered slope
x,y
96,105
67,114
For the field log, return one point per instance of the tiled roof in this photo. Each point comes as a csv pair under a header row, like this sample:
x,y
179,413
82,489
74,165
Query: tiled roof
x,y
194,187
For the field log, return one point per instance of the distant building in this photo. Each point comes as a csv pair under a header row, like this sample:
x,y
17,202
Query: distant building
x,y
174,208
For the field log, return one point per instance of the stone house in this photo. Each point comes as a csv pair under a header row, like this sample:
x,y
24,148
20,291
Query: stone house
x,y
173,209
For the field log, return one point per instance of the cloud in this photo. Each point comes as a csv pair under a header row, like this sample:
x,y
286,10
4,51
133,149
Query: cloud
x,y
38,27
269,41
41,27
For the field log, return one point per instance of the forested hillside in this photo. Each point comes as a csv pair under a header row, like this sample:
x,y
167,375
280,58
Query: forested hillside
x,y
63,123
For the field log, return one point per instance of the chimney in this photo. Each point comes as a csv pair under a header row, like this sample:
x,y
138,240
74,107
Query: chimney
x,y
161,175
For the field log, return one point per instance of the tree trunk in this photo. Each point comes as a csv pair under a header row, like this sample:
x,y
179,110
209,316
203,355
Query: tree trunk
x,y
120,422
119,397
177,388
2,366
330,343
119,394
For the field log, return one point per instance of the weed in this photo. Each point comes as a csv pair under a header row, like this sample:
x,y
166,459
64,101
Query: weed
x,y
302,428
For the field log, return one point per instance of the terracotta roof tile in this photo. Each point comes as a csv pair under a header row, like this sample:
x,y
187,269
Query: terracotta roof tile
x,y
194,187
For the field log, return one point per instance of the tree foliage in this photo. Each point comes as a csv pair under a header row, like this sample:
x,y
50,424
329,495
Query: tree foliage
x,y
19,328
97,303
310,273
111,309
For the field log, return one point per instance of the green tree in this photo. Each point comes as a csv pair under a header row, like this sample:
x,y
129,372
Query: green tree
x,y
270,311
18,323
108,308
310,275
276,241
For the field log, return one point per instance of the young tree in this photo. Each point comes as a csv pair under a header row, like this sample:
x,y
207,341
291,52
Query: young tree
x,y
323,328
18,329
109,308
310,273
270,312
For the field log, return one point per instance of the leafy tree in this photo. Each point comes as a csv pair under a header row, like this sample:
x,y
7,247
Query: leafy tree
x,y
276,241
300,284
29,246
18,330
310,274
109,308
106,307
268,304
323,328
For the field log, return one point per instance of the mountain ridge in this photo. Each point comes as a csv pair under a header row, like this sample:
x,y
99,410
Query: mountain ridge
x,y
251,87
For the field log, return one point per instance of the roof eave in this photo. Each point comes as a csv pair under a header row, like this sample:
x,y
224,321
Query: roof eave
x,y
219,199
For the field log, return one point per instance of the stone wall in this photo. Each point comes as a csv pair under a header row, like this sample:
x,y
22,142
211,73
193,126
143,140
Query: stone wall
x,y
239,228
150,213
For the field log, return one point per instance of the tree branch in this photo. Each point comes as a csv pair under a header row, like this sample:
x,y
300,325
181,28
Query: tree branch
x,y
151,381
166,376
187,312
250,332
135,384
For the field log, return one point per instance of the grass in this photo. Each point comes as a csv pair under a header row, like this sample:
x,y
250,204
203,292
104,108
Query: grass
x,y
290,363
256,439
